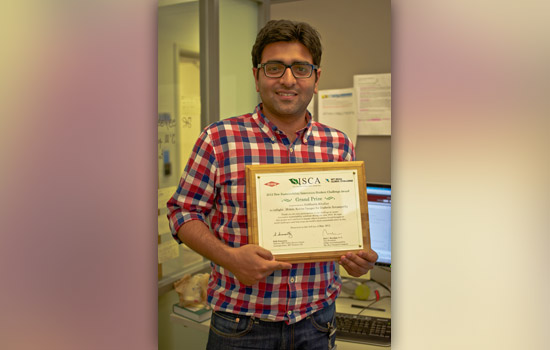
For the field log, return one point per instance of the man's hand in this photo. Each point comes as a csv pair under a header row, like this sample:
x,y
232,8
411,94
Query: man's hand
x,y
358,264
252,263
249,263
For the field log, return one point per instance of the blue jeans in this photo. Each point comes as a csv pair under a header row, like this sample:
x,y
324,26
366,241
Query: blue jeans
x,y
231,331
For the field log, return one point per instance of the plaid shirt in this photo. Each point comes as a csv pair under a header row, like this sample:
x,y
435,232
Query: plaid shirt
x,y
212,189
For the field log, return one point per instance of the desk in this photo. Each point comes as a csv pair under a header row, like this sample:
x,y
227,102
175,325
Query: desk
x,y
342,305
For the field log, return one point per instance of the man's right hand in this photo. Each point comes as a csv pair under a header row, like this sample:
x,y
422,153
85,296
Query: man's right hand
x,y
251,263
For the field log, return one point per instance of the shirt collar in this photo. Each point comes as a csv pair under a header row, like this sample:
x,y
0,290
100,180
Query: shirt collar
x,y
271,129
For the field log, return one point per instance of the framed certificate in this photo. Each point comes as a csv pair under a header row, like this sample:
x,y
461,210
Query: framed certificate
x,y
308,211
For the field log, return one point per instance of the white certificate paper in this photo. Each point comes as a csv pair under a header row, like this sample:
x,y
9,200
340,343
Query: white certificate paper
x,y
337,109
301,212
373,98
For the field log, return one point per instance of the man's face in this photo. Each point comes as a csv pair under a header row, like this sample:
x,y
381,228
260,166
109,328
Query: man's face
x,y
286,97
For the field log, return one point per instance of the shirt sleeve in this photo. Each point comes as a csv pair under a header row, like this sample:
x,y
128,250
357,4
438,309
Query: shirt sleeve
x,y
352,152
348,149
195,195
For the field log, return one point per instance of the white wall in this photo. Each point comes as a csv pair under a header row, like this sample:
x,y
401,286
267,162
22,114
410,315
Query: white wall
x,y
238,28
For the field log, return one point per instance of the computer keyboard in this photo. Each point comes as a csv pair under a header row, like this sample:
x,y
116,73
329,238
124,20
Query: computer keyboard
x,y
363,329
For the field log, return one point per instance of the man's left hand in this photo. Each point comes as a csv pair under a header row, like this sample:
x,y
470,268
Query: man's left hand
x,y
358,264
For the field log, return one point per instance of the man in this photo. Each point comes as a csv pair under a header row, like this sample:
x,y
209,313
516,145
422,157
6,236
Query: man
x,y
259,302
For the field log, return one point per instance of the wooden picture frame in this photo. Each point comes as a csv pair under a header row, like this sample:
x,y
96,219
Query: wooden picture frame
x,y
308,212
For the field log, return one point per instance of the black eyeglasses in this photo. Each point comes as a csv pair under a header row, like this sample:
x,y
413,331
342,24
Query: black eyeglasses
x,y
278,69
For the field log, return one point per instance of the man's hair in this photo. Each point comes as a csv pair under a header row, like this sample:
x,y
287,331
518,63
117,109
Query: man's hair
x,y
289,31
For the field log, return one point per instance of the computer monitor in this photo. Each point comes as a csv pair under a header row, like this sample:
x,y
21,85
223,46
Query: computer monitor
x,y
379,205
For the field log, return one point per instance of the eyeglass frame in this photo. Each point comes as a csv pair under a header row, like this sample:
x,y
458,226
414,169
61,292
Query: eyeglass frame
x,y
313,68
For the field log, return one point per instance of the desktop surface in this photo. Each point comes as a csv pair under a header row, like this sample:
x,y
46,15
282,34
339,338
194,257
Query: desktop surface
x,y
363,329
344,305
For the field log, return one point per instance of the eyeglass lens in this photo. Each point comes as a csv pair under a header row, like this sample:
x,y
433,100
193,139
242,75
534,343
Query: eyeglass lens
x,y
299,70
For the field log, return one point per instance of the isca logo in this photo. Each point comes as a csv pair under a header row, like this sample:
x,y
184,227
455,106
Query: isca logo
x,y
305,181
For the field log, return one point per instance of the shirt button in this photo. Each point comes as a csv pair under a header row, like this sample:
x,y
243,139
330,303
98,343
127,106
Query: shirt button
x,y
291,149
291,279
289,313
273,139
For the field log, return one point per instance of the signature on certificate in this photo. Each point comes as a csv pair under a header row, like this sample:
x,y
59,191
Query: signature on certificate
x,y
280,234
331,234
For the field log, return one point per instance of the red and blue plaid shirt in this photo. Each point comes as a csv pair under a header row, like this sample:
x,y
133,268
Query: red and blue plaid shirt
x,y
212,189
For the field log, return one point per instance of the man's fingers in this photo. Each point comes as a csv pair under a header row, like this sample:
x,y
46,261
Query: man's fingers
x,y
369,255
277,265
264,253
358,264
283,265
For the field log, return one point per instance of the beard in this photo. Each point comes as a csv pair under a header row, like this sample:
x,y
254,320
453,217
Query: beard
x,y
278,107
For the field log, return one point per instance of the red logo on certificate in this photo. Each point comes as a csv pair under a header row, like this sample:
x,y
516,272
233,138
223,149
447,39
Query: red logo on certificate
x,y
271,183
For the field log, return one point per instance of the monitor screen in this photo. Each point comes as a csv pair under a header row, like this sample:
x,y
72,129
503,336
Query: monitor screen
x,y
379,204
